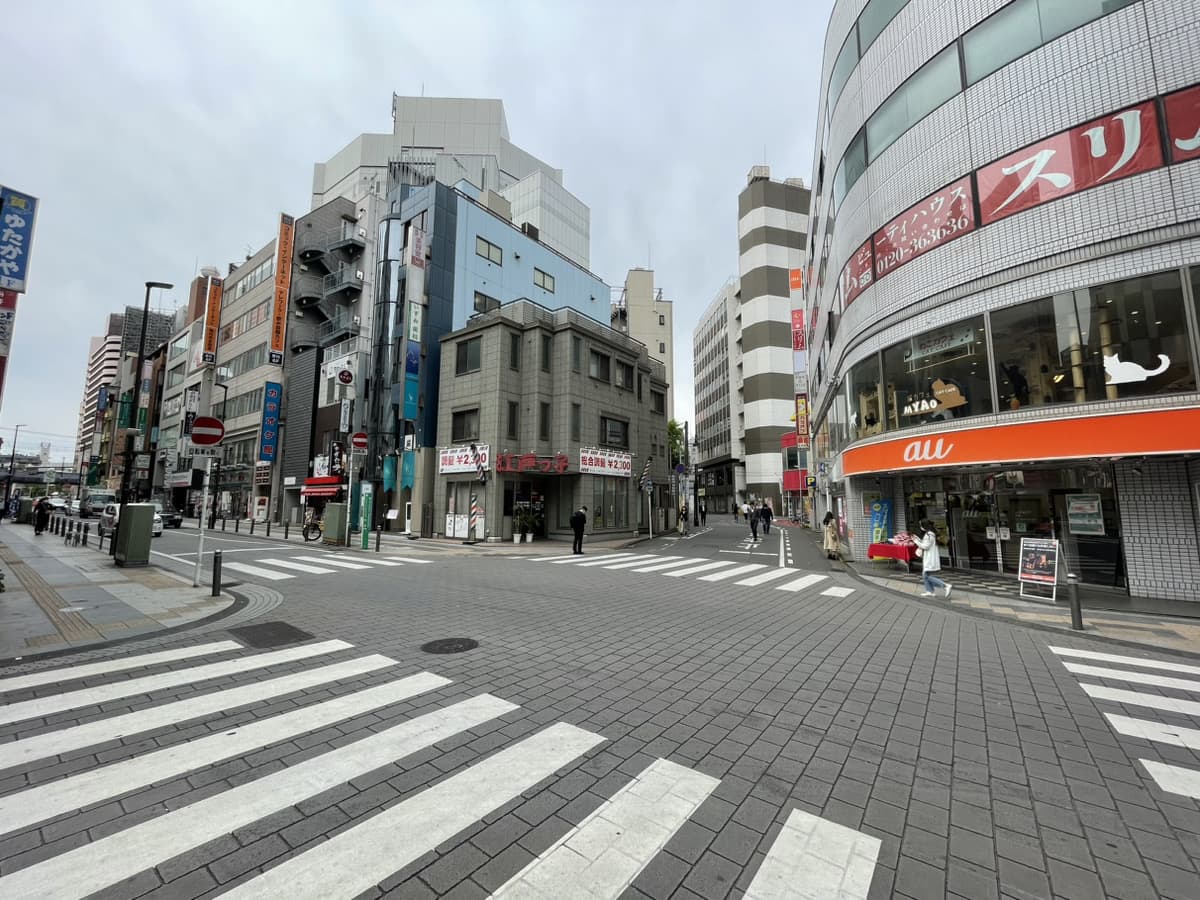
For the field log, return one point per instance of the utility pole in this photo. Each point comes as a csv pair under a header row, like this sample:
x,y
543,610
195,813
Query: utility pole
x,y
12,468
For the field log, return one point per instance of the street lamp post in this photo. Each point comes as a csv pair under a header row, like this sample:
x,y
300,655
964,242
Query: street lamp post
x,y
696,483
12,468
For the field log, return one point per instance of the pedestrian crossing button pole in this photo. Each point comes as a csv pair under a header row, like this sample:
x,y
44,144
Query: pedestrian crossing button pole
x,y
216,574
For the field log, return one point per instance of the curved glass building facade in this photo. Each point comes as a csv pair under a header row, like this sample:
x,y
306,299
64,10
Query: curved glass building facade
x,y
1002,279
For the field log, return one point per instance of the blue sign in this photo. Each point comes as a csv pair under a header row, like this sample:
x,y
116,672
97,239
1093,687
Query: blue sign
x,y
407,470
17,213
268,444
102,399
412,392
389,473
881,521
412,358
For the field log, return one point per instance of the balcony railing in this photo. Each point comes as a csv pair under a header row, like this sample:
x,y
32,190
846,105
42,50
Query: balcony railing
x,y
347,281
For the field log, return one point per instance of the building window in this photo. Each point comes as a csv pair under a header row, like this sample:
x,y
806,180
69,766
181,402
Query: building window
x,y
484,303
624,376
662,348
927,89
547,347
658,402
464,425
598,366
488,251
576,422
576,353
514,350
998,40
543,421
936,376
662,320
864,416
875,17
850,169
614,432
514,419
846,60
610,502
543,280
466,356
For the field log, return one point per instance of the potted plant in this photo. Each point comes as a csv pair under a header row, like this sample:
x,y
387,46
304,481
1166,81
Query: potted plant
x,y
525,525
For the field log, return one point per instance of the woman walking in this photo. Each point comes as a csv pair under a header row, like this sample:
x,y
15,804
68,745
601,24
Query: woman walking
x,y
931,560
830,541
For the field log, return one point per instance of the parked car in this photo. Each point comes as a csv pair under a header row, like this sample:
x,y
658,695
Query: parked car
x,y
95,502
58,505
112,515
171,517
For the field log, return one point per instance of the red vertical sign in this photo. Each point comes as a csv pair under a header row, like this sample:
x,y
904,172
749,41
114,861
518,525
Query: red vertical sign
x,y
857,274
1183,123
797,329
8,319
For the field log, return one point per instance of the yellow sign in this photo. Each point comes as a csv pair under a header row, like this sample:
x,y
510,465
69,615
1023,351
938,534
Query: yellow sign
x,y
212,322
283,285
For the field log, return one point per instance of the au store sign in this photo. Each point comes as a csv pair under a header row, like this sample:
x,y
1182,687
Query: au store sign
x,y
936,220
605,462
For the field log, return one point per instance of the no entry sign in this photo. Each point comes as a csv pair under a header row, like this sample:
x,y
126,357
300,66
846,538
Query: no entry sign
x,y
207,431
358,440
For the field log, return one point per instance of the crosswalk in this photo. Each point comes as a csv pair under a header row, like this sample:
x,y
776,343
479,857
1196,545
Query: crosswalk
x,y
728,571
598,859
1095,665
281,568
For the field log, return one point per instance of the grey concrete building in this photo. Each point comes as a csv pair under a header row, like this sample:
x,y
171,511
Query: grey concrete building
x,y
717,362
104,357
641,312
556,410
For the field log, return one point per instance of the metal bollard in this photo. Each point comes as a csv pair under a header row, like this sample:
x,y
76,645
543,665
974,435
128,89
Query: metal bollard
x,y
252,526
268,527
378,535
1073,597
237,525
216,576
86,527
222,523
285,530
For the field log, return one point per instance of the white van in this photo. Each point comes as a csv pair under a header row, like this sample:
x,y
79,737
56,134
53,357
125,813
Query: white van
x,y
95,501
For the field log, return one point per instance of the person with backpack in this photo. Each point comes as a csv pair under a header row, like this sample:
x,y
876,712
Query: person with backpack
x,y
764,516
752,518
931,559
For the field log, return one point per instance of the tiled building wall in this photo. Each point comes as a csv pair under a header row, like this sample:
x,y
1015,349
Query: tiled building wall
x,y
1159,527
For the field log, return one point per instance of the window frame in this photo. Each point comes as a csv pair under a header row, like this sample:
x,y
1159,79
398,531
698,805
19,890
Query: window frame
x,y
514,351
576,353
462,416
544,280
514,420
576,421
594,358
462,355
493,253
604,433
547,352
543,421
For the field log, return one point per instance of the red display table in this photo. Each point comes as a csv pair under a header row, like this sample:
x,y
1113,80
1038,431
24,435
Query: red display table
x,y
905,553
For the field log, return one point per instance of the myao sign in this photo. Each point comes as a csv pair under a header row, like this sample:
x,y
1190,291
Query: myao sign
x,y
17,214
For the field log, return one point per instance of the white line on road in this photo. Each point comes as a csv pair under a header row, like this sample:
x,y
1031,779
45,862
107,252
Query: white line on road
x,y
44,802
640,562
256,570
574,558
641,557
133,687
1136,677
295,566
837,592
1174,779
96,865
679,573
771,575
813,857
733,573
56,743
410,559
602,855
658,567
801,583
1175,735
340,563
1137,698
71,673
357,859
1128,660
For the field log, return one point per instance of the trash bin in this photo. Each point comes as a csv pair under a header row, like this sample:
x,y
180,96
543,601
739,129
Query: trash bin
x,y
25,511
134,533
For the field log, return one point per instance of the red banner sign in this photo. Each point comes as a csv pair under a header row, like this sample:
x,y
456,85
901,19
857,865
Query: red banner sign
x,y
283,285
796,279
857,274
1097,152
212,322
797,329
1183,123
936,220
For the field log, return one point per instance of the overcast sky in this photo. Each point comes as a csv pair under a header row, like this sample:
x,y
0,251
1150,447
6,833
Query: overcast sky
x,y
161,137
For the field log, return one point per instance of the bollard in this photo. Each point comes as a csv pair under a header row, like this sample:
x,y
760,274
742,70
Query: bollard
x,y
237,525
216,578
1073,597
285,530
268,527
222,523
56,525
378,535
85,533
252,526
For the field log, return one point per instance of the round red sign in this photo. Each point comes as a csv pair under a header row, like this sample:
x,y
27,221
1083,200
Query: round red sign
x,y
207,431
345,376
358,440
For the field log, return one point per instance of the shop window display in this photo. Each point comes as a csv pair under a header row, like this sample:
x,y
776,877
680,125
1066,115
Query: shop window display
x,y
1034,346
865,417
939,375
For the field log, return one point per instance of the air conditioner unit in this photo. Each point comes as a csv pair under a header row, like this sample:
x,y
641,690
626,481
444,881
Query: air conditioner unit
x,y
357,320
362,232
359,274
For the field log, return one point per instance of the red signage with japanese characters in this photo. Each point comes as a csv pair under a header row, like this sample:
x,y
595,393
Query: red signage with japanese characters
x,y
531,462
857,274
1094,153
1183,123
936,220
797,329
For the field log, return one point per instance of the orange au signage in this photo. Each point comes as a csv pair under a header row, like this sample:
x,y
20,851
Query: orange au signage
x,y
1084,437
212,322
283,284
796,279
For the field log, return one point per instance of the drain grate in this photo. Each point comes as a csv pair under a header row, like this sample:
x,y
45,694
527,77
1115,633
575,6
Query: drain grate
x,y
450,645
269,634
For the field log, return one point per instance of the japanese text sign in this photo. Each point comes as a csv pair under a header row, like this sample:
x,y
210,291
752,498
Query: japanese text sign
x,y
857,274
283,285
801,420
212,322
17,214
1183,123
1094,153
605,462
531,462
268,444
797,329
461,459
936,220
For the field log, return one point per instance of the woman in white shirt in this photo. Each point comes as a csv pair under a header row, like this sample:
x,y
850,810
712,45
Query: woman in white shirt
x,y
931,560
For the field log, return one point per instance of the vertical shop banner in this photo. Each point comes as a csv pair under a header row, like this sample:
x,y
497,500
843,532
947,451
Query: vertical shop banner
x,y
412,358
415,317
367,496
881,521
344,418
17,214
801,420
337,459
389,473
858,273
8,319
417,251
212,322
412,392
795,280
283,286
797,329
407,470
268,444
414,287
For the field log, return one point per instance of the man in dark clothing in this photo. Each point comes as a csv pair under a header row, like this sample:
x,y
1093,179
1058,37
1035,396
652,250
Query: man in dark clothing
x,y
753,517
703,514
764,516
578,521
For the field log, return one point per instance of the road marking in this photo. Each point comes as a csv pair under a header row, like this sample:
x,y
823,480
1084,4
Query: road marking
x,y
732,573
1128,660
38,804
1174,779
641,562
837,592
1137,698
574,558
602,855
340,563
765,577
299,567
641,557
378,561
133,687
1137,677
679,573
801,583
411,559
255,570
71,673
56,743
782,552
658,567
357,859
99,864
813,857
1176,735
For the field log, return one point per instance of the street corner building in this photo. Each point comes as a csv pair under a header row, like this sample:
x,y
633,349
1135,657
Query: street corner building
x,y
542,411
1001,280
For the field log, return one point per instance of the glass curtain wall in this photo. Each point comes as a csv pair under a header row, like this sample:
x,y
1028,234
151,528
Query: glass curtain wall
x,y
939,375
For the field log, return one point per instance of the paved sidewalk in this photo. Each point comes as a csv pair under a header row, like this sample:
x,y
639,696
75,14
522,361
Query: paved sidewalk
x,y
61,597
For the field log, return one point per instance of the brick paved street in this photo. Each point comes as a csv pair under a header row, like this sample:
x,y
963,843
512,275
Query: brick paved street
x,y
678,719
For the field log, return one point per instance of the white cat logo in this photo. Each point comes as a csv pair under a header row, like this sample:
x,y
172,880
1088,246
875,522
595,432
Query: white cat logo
x,y
1125,372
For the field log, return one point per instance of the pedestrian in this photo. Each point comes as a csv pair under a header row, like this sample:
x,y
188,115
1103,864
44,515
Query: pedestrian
x,y
703,513
830,541
752,518
578,521
764,516
735,510
931,559
41,516
683,518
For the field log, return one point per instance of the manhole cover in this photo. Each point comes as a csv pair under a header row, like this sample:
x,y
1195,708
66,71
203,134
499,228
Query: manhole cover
x,y
450,645
269,634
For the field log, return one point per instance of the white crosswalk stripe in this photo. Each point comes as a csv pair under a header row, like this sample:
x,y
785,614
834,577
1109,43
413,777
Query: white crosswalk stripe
x,y
295,566
1174,779
663,566
1137,698
679,573
1175,735
247,569
1182,684
574,558
800,584
813,857
732,573
645,557
317,564
120,664
340,563
837,592
765,577
641,561
1127,660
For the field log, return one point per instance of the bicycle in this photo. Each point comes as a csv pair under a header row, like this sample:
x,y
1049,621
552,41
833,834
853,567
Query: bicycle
x,y
313,530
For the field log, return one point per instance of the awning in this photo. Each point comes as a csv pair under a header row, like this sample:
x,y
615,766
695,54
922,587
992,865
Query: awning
x,y
320,490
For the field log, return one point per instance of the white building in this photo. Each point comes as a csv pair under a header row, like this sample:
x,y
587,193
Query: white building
x,y
720,419
104,358
641,312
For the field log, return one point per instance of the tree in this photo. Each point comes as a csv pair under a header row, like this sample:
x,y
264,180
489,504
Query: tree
x,y
675,442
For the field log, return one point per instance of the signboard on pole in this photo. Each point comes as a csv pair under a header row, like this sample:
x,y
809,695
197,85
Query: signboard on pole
x,y
364,505
1039,564
17,214
344,423
268,442
283,286
212,322
8,319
